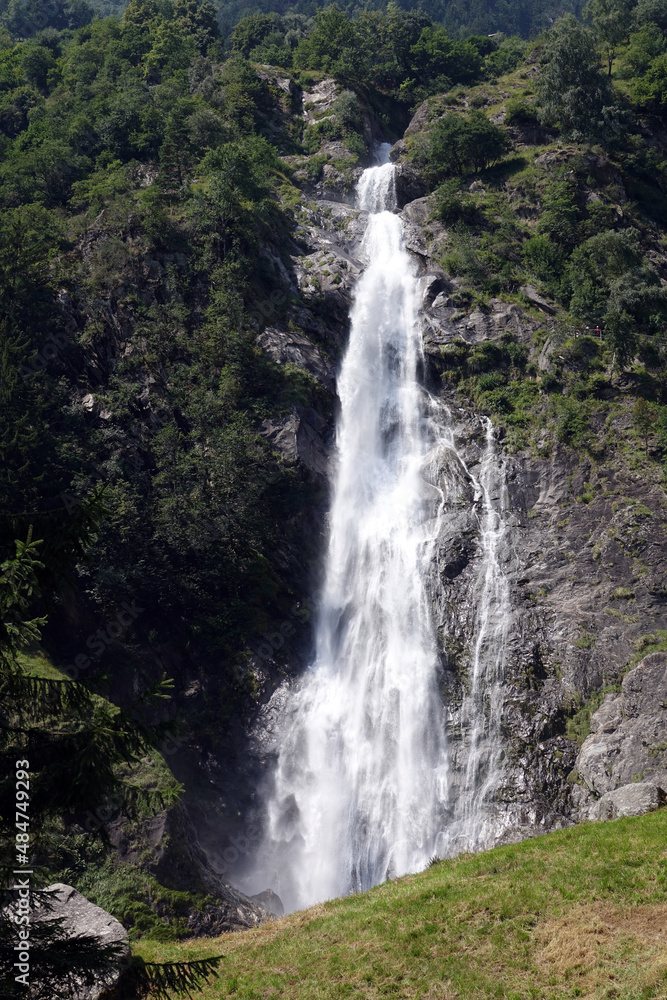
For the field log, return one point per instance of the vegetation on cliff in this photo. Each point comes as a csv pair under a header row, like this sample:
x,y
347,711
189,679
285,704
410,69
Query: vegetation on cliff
x,y
153,184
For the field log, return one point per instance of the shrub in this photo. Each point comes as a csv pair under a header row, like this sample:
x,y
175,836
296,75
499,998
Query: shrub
x,y
461,143
491,380
520,112
543,258
550,382
572,426
506,57
453,205
652,90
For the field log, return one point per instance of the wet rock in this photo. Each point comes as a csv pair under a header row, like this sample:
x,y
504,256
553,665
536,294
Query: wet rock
x,y
398,150
271,901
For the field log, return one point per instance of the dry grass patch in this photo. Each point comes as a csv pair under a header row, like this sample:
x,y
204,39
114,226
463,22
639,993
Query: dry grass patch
x,y
598,945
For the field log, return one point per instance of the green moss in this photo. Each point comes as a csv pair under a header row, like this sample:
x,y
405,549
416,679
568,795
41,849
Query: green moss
x,y
136,898
627,619
651,642
579,724
586,640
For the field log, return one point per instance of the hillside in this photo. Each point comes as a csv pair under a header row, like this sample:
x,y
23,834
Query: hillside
x,y
179,249
463,17
571,914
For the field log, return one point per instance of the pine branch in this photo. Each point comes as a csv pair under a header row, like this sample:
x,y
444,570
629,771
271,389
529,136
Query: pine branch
x,y
160,980
39,698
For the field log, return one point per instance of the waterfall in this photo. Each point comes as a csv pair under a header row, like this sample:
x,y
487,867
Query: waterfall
x,y
361,789
361,780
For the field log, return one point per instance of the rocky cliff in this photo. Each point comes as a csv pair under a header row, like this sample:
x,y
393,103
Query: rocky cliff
x,y
584,545
578,491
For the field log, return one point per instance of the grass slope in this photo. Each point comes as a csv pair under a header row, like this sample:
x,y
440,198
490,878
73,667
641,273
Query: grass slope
x,y
578,913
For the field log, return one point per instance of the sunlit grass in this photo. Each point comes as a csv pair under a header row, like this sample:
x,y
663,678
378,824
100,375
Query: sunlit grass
x,y
581,912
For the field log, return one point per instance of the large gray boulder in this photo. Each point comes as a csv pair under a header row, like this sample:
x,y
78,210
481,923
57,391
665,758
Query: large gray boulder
x,y
81,918
628,740
630,800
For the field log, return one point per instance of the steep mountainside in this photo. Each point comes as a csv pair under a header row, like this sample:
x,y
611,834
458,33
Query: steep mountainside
x,y
179,250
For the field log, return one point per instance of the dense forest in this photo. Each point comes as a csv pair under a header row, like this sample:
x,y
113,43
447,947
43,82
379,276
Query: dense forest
x,y
461,17
155,169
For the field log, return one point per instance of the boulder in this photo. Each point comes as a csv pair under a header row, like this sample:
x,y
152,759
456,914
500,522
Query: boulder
x,y
81,918
630,800
628,740
410,184
271,901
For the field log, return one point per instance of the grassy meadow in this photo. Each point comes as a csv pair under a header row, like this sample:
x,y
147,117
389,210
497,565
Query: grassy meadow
x,y
577,913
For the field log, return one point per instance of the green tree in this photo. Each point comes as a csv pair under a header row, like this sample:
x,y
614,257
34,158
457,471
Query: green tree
x,y
650,12
645,45
644,417
459,143
612,20
571,90
652,89
621,335
332,46
435,56
38,62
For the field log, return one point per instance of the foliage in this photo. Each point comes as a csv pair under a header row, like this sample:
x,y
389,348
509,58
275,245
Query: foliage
x,y
652,89
645,45
66,744
462,143
25,18
461,18
612,20
571,90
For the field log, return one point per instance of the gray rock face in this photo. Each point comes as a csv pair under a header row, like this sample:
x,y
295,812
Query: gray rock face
x,y
628,741
294,347
82,918
177,860
582,534
630,800
271,901
301,436
409,184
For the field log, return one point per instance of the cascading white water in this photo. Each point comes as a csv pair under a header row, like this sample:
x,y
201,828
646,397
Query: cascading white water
x,y
475,823
362,789
361,783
